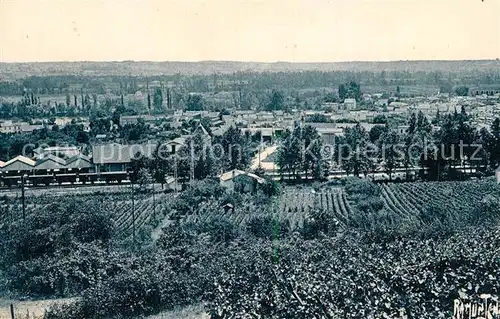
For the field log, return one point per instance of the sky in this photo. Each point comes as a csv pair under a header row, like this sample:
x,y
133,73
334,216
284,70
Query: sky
x,y
250,30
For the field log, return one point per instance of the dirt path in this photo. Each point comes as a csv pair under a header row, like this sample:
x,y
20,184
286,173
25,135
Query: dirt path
x,y
263,155
27,309
156,233
190,312
36,310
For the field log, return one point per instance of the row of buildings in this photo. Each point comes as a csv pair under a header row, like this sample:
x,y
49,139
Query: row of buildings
x,y
108,163
9,126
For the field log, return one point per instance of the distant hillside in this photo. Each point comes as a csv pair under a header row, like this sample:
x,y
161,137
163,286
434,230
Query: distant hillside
x,y
12,71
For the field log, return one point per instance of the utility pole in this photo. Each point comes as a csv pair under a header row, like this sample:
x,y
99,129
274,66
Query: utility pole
x,y
260,149
133,211
192,160
154,202
175,174
149,96
22,196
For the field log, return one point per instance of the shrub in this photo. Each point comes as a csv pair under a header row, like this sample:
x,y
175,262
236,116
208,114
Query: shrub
x,y
361,188
266,226
56,250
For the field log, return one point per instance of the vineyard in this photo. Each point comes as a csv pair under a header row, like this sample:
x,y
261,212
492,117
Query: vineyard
x,y
404,200
291,207
413,199
239,215
346,250
412,202
295,204
125,211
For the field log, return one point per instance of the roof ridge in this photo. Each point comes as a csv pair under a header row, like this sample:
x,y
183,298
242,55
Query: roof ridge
x,y
20,158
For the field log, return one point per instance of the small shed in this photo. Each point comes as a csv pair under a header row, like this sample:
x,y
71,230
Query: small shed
x,y
174,145
172,184
228,207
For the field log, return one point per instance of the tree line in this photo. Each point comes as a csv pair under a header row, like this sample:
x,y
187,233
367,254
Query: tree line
x,y
449,150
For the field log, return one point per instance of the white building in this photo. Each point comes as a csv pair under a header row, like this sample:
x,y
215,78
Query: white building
x,y
349,104
11,127
402,129
246,182
174,145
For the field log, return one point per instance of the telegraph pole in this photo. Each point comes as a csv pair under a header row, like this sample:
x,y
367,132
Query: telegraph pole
x,y
175,174
192,160
133,210
260,149
22,196
149,96
154,202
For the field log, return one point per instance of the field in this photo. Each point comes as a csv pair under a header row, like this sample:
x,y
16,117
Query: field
x,y
126,212
28,309
407,200
224,253
295,204
450,197
402,201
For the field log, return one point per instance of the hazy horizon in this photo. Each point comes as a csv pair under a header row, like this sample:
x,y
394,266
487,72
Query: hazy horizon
x,y
289,31
243,61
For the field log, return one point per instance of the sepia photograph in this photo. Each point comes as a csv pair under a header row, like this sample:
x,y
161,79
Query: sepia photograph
x,y
249,159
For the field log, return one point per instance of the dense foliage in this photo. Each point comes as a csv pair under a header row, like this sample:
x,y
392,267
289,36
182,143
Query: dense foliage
x,y
351,277
347,249
58,250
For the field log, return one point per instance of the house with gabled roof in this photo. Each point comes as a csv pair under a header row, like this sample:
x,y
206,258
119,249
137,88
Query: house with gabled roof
x,y
238,180
174,145
111,157
13,169
116,157
50,163
18,164
200,129
80,166
80,162
46,169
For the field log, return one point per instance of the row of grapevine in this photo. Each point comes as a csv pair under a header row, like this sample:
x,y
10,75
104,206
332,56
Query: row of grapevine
x,y
296,204
335,202
409,200
129,215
